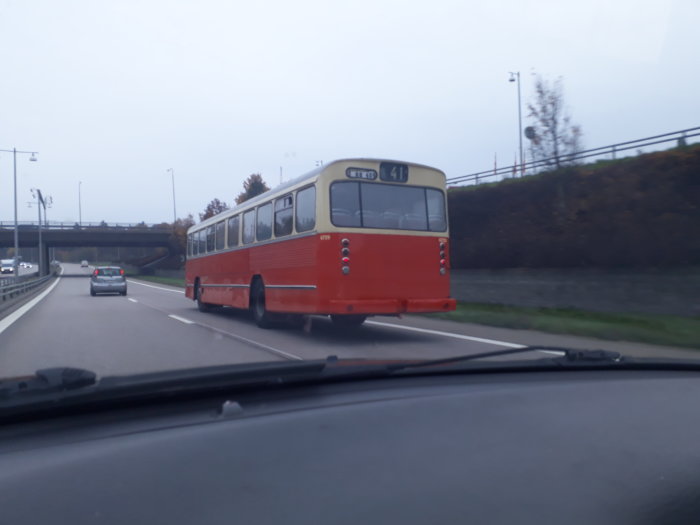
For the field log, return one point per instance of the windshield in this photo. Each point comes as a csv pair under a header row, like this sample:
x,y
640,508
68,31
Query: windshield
x,y
387,206
244,183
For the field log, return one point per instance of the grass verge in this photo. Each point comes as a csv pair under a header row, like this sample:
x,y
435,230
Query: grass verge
x,y
644,328
172,281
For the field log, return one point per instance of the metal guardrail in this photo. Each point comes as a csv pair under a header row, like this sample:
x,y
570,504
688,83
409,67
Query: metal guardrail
x,y
19,286
612,151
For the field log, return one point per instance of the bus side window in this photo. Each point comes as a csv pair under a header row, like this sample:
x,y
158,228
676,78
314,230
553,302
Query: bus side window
x,y
189,245
210,238
220,232
248,226
306,209
233,231
264,226
436,210
202,235
283,216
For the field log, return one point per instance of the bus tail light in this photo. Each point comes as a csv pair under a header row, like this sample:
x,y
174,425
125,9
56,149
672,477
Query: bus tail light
x,y
443,257
344,253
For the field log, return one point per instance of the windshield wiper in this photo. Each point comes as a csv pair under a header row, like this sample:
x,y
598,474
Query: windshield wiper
x,y
54,388
568,355
47,381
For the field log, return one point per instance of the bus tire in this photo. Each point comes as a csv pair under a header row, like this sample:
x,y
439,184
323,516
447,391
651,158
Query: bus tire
x,y
201,305
262,317
348,321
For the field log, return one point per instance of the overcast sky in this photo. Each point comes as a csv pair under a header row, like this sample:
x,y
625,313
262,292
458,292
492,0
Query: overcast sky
x,y
113,93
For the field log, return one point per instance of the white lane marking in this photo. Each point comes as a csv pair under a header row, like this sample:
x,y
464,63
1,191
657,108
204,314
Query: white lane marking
x,y
133,300
448,334
460,336
7,321
156,287
252,342
181,319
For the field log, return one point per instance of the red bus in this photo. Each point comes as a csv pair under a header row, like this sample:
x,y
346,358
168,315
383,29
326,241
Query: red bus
x,y
351,239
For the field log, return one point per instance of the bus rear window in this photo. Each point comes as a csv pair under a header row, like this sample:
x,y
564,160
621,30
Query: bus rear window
x,y
387,206
436,210
345,204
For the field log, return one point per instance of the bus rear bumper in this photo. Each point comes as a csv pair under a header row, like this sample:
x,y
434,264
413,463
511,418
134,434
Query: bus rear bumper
x,y
391,306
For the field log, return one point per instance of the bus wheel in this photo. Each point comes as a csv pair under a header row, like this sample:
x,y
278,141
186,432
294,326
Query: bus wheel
x,y
201,305
262,317
348,321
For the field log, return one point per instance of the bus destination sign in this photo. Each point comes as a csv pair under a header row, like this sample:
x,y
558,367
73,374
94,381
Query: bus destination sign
x,y
392,172
361,173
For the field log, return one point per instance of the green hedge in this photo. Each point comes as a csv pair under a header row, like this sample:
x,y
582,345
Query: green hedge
x,y
642,211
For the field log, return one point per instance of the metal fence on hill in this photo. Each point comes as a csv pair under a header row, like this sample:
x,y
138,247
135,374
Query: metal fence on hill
x,y
612,152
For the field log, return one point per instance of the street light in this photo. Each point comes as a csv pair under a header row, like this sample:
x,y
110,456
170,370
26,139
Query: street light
x,y
80,206
41,201
32,158
515,76
172,174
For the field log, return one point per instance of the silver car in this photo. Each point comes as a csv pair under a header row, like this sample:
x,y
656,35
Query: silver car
x,y
108,279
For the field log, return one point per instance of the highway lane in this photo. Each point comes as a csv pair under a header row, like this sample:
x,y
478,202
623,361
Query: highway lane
x,y
109,334
419,337
155,327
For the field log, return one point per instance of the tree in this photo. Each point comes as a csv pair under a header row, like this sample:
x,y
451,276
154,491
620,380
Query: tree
x,y
179,236
554,139
253,186
213,208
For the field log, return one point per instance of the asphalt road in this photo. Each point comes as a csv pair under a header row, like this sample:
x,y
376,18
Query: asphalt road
x,y
155,328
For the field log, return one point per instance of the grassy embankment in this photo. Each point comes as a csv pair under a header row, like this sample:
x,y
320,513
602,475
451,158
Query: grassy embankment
x,y
652,329
643,328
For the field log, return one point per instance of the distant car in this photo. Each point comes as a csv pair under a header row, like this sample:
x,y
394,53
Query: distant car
x,y
7,266
25,265
83,264
108,279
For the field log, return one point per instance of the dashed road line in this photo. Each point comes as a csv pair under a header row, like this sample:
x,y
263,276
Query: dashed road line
x,y
156,287
262,346
181,319
251,342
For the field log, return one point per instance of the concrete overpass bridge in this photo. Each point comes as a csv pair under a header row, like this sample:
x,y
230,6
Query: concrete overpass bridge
x,y
65,235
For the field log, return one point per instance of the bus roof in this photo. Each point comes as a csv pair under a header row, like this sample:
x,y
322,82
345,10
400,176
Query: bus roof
x,y
306,177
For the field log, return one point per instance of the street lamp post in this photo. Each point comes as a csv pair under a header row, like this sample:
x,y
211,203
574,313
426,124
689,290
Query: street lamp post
x,y
33,158
80,206
513,77
172,175
41,201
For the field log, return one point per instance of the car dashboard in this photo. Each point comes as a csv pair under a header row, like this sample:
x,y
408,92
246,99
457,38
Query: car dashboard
x,y
526,447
